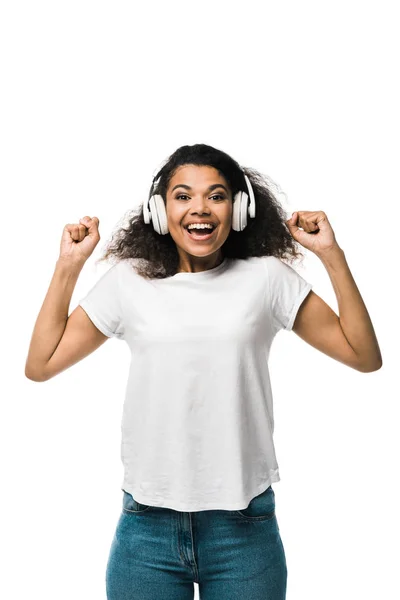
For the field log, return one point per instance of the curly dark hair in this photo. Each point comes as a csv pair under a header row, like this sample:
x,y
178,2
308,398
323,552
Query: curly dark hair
x,y
265,235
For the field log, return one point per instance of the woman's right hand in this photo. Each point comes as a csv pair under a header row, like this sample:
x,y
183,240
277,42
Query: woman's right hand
x,y
79,240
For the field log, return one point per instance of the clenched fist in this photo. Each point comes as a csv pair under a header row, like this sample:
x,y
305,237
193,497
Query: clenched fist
x,y
79,240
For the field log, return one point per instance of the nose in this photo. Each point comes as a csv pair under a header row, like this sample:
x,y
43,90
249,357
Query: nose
x,y
199,206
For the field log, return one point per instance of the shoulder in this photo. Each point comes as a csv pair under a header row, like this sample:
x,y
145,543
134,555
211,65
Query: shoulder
x,y
258,265
271,264
278,267
113,275
126,266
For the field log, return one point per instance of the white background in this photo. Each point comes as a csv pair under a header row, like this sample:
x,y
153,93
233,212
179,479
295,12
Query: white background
x,y
94,96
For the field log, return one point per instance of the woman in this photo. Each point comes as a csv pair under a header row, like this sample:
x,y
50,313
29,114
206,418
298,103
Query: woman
x,y
198,291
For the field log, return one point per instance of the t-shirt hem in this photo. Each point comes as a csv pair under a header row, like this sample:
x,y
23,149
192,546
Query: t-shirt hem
x,y
214,505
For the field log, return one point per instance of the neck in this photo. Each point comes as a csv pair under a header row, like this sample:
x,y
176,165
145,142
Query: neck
x,y
195,264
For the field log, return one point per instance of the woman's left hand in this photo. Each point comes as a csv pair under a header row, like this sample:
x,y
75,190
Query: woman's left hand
x,y
316,234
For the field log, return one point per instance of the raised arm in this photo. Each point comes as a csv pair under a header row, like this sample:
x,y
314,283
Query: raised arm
x,y
348,337
58,340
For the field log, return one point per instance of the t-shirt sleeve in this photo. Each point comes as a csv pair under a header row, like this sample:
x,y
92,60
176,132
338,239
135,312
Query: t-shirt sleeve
x,y
286,291
102,304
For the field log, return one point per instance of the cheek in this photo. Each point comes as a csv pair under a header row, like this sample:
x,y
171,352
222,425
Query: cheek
x,y
175,217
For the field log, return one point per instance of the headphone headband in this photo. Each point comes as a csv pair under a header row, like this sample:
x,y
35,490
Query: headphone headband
x,y
158,174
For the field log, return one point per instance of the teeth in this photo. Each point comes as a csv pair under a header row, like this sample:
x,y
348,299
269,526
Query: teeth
x,y
200,226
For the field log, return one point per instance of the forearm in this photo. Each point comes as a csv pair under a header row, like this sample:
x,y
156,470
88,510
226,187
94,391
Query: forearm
x,y
53,316
353,315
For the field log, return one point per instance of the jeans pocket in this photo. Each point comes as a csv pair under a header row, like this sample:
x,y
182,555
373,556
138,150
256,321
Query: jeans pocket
x,y
260,508
130,505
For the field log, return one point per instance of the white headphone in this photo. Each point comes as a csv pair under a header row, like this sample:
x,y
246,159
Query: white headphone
x,y
243,205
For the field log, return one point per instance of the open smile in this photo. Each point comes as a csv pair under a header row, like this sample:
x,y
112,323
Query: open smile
x,y
196,236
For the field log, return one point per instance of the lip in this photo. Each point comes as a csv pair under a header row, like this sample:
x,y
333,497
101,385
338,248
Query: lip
x,y
198,238
201,223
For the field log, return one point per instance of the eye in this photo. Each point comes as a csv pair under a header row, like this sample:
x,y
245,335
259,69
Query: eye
x,y
214,196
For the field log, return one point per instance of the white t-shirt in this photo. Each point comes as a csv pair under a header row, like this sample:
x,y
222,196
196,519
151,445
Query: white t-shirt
x,y
197,424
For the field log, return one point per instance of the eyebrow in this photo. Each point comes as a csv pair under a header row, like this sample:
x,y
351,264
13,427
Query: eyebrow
x,y
212,187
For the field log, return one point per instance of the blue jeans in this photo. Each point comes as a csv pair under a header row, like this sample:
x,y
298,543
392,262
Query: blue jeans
x,y
157,553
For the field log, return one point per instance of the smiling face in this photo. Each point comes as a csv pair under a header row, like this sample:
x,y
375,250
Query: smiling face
x,y
198,194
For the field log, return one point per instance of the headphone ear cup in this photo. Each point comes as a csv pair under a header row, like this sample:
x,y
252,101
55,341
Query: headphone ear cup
x,y
239,215
236,211
146,211
153,212
244,203
158,214
161,214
